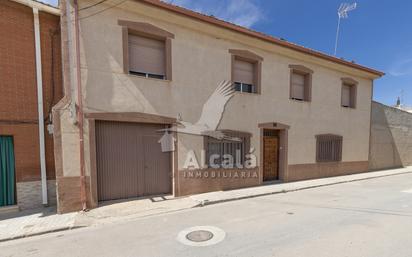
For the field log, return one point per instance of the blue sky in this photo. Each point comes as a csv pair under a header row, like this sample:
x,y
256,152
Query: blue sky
x,y
377,34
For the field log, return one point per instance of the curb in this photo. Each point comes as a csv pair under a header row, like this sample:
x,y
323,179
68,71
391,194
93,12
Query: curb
x,y
208,202
40,233
202,203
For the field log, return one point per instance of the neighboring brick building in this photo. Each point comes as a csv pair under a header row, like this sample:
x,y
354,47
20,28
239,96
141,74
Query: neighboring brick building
x,y
19,100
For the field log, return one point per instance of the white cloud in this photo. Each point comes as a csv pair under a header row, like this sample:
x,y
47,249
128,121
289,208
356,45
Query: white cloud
x,y
402,68
241,12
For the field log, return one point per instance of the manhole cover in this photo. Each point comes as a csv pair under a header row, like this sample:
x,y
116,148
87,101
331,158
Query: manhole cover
x,y
199,236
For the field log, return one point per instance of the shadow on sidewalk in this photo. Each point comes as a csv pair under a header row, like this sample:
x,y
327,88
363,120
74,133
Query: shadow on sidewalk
x,y
44,212
152,198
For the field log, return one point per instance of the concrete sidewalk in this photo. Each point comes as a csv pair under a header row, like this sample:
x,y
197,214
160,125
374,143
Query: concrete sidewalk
x,y
223,196
24,224
34,222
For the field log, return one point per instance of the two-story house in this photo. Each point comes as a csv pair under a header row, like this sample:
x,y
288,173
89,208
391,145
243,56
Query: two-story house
x,y
136,69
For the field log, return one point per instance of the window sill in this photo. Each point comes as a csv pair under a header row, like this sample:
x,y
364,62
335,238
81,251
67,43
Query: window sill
x,y
148,78
299,101
348,107
328,162
247,93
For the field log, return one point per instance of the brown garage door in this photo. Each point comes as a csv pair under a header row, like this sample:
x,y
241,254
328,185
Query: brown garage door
x,y
130,162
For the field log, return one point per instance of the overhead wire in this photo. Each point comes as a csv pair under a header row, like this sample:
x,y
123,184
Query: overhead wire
x,y
103,10
92,5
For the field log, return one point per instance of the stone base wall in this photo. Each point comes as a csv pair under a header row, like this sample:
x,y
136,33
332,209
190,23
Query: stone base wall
x,y
68,194
208,180
322,170
29,194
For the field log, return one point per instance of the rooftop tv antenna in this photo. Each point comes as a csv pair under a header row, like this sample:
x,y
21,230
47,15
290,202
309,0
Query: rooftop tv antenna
x,y
343,10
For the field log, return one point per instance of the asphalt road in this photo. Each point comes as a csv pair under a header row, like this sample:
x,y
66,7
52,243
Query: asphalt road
x,y
359,219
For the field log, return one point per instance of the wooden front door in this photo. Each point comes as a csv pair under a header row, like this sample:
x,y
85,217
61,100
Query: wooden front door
x,y
270,155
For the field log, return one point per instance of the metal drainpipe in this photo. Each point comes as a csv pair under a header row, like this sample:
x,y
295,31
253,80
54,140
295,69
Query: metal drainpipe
x,y
40,106
80,110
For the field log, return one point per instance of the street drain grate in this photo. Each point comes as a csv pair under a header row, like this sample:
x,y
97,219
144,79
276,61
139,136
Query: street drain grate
x,y
199,236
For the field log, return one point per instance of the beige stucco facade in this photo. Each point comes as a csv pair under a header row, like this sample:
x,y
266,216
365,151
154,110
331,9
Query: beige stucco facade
x,y
200,61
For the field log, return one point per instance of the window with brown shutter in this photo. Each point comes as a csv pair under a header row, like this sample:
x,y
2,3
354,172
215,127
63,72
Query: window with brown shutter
x,y
246,71
348,97
147,50
298,86
300,83
147,57
328,148
244,76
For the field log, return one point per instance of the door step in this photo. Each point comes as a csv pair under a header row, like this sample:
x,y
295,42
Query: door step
x,y
9,209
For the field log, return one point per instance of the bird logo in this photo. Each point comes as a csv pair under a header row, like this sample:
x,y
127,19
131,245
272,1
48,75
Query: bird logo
x,y
211,116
